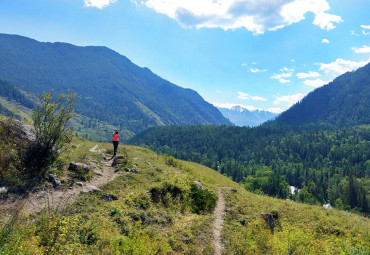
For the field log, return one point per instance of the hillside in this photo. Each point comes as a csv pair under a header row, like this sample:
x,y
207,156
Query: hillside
x,y
155,210
243,117
110,88
343,102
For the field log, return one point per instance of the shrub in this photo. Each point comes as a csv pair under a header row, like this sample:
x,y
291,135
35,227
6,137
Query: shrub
x,y
202,200
51,130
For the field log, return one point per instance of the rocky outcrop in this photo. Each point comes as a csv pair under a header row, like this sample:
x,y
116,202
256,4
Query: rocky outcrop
x,y
199,185
55,180
20,130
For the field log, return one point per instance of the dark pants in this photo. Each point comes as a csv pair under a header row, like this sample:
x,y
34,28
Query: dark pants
x,y
115,145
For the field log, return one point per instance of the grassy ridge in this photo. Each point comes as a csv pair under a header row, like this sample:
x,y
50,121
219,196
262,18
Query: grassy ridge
x,y
139,222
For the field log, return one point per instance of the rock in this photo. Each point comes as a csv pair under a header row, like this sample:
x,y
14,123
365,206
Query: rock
x,y
103,156
108,198
243,222
119,160
77,166
55,180
90,188
3,189
79,184
127,169
133,170
199,184
269,220
186,240
20,130
136,159
231,189
147,163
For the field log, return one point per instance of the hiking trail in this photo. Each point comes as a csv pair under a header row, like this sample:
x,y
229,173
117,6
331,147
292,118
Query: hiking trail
x,y
219,215
56,199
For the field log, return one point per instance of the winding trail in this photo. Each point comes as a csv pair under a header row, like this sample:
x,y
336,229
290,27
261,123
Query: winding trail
x,y
219,215
57,199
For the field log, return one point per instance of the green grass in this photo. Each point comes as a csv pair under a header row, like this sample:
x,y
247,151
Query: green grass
x,y
138,223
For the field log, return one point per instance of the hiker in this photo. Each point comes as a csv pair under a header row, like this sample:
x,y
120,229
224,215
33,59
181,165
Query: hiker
x,y
115,141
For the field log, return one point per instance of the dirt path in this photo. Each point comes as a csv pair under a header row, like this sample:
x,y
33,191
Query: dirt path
x,y
56,199
218,224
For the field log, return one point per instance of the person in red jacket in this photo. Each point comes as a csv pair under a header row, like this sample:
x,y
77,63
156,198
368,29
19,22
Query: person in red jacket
x,y
115,141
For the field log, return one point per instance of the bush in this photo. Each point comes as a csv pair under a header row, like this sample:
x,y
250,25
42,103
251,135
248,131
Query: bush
x,y
202,200
51,130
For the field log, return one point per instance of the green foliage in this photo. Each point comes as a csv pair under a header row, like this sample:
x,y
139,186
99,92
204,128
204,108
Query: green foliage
x,y
202,201
51,130
267,159
267,182
167,193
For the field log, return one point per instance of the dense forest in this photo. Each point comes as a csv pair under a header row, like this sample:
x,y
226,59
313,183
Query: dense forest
x,y
328,166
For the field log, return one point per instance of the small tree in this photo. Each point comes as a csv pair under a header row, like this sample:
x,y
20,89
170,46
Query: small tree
x,y
51,130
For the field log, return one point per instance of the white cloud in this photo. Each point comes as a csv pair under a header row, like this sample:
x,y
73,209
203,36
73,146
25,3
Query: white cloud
x,y
275,110
285,69
255,16
244,64
325,41
245,96
315,83
363,49
366,27
256,70
284,81
310,74
280,77
341,66
290,100
325,20
218,91
98,3
257,98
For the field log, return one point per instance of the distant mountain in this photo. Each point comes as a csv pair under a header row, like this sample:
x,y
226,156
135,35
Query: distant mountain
x,y
110,87
343,102
241,116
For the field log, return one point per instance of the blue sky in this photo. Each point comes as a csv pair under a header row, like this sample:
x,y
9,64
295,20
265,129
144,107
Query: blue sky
x,y
264,54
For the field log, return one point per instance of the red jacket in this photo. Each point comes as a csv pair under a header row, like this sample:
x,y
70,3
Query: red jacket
x,y
115,137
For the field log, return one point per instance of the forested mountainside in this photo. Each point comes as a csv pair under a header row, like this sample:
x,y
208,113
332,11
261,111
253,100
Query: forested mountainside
x,y
243,117
343,102
330,166
11,93
110,88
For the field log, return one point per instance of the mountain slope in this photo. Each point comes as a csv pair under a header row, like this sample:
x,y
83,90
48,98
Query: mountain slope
x,y
343,102
110,87
151,212
243,117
